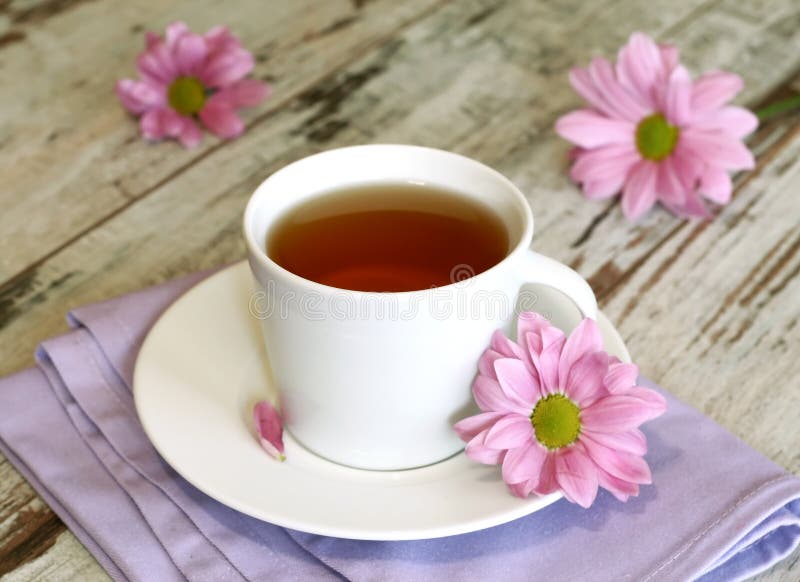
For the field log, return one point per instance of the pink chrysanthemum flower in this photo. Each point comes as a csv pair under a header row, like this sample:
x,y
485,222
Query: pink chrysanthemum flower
x,y
560,414
654,134
186,77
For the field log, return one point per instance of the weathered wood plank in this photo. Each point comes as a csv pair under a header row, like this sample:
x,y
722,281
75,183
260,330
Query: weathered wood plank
x,y
28,527
66,561
37,533
729,299
489,81
66,142
500,110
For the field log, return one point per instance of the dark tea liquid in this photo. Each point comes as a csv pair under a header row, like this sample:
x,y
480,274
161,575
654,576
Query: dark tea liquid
x,y
395,237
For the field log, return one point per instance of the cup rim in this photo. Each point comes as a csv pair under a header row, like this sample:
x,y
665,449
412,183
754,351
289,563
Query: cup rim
x,y
255,251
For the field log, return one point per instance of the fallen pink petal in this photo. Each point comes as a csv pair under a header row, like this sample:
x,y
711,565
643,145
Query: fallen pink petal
x,y
269,427
187,79
560,414
653,134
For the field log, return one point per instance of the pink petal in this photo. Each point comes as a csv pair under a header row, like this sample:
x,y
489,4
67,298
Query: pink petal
x,y
626,104
547,477
603,170
577,476
172,123
244,93
226,67
716,185
583,84
151,39
737,121
157,65
619,488
611,161
553,340
686,166
175,32
670,187
501,344
139,96
589,129
524,464
159,123
602,189
618,413
219,39
270,429
670,57
530,322
190,134
221,119
490,397
533,342
632,441
584,339
714,89
517,382
639,194
651,398
717,149
545,350
692,207
521,490
619,464
552,337
190,52
584,382
477,451
678,96
621,376
510,432
468,428
640,66
688,169
486,362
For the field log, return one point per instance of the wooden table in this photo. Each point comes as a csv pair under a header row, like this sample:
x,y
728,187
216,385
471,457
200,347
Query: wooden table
x,y
89,210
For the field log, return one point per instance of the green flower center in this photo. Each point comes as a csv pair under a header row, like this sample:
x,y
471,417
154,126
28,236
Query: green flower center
x,y
556,421
186,95
655,137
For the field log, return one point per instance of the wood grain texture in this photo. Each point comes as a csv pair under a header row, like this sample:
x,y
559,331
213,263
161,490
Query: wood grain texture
x,y
66,561
708,309
27,526
66,141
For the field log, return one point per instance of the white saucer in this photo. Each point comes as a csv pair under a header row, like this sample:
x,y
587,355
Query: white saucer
x,y
198,375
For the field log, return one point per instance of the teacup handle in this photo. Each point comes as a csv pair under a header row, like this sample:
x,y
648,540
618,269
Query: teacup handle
x,y
541,270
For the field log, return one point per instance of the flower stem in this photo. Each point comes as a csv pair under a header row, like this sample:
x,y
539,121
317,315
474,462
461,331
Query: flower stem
x,y
778,108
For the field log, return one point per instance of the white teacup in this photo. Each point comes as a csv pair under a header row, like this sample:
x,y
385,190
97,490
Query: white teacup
x,y
376,380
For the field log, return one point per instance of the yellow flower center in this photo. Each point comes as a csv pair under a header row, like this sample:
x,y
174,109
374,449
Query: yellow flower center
x,y
556,421
655,137
186,95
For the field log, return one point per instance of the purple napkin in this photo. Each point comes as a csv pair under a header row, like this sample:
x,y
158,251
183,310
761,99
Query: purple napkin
x,y
718,509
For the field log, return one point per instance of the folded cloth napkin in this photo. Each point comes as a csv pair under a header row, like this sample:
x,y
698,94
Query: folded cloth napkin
x,y
718,510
